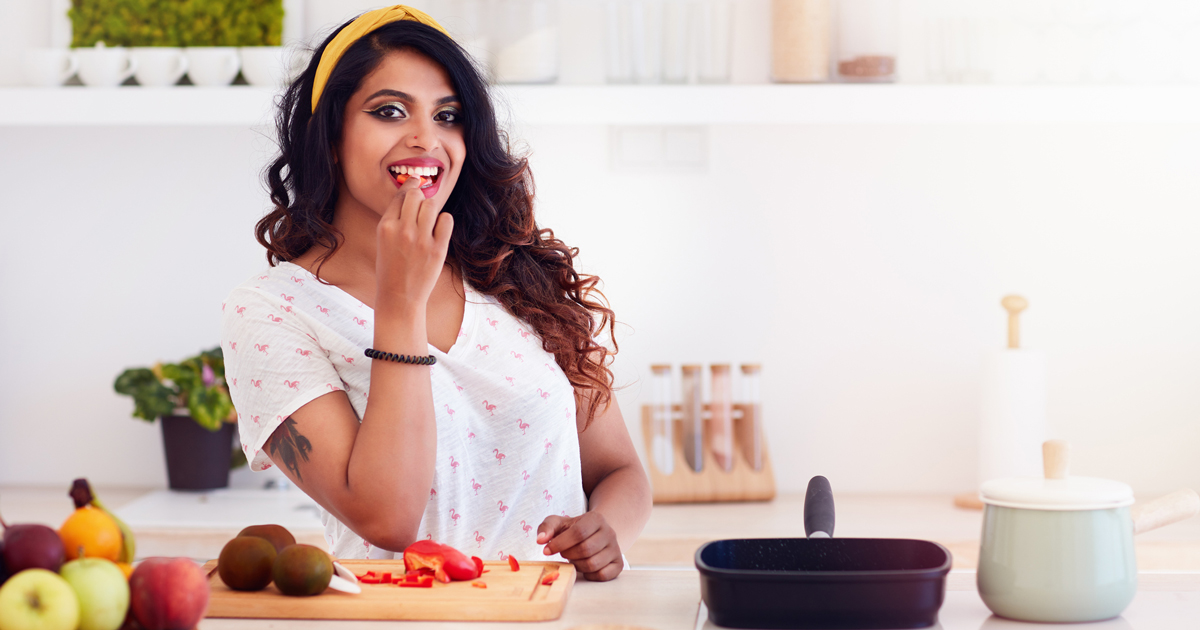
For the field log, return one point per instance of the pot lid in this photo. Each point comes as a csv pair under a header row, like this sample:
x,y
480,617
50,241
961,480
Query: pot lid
x,y
1071,493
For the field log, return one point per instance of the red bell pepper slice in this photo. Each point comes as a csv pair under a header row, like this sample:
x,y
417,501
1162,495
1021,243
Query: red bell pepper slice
x,y
478,584
386,578
424,581
446,562
478,564
512,562
368,579
549,579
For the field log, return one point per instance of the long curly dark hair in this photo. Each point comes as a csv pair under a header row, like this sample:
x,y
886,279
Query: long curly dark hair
x,y
496,244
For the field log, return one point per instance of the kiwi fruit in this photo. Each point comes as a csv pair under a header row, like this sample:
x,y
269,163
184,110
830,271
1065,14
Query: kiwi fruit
x,y
276,534
247,563
302,570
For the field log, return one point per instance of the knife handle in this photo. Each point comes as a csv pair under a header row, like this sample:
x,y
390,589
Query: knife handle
x,y
818,509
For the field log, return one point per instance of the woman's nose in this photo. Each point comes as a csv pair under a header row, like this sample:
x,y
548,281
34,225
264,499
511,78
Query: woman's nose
x,y
422,134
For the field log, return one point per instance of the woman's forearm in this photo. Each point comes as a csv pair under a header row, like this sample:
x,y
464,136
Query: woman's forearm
x,y
623,498
392,460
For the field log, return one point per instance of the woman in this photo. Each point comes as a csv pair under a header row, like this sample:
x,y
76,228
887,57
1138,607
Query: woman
x,y
403,230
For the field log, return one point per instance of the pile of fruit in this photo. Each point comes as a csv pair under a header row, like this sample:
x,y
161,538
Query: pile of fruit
x,y
82,576
261,554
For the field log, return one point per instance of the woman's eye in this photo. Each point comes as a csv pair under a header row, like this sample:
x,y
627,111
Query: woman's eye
x,y
389,111
446,115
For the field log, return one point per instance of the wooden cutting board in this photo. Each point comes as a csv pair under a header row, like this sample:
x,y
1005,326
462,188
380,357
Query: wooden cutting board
x,y
509,596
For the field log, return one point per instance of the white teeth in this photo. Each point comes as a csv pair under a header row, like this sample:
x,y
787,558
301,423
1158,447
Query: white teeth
x,y
420,171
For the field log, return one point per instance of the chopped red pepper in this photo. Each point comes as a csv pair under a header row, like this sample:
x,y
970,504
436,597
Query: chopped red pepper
x,y
386,578
512,562
424,581
368,579
478,564
446,562
478,584
549,579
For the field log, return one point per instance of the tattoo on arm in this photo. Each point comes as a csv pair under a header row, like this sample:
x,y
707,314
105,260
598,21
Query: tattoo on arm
x,y
290,445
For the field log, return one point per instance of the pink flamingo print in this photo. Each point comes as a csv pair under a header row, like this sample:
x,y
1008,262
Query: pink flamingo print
x,y
503,508
266,466
482,349
323,310
263,277
499,456
293,384
310,336
566,467
547,495
257,382
290,299
475,486
453,465
543,394
347,359
233,346
262,348
449,411
303,353
524,476
299,281
470,436
548,445
491,409
524,334
491,322
548,367
255,419
510,380
274,319
240,310
235,382
526,527
332,387
454,516
222,307
522,425
517,355
432,493
479,539
360,322
503,556
457,386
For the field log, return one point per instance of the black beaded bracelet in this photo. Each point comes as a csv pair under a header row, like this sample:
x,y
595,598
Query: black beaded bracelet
x,y
401,358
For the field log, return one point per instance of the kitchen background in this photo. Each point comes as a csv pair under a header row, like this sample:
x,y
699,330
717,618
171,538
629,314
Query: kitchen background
x,y
860,260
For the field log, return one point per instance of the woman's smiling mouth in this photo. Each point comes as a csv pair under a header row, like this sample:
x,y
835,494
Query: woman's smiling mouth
x,y
430,176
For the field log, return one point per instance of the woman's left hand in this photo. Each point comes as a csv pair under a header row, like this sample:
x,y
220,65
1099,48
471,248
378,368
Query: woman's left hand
x,y
587,541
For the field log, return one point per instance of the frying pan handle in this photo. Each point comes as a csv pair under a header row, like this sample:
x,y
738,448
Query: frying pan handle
x,y
818,509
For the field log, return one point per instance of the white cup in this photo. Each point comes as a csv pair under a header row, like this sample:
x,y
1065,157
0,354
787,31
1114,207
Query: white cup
x,y
48,67
264,65
159,66
105,67
212,65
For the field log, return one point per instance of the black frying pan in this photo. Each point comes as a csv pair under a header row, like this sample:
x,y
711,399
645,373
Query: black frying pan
x,y
820,581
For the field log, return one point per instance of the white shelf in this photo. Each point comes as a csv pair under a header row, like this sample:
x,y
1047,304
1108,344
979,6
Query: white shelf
x,y
648,105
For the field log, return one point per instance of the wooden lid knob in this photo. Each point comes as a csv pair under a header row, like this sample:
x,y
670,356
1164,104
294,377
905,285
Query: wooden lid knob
x,y
1014,304
1056,459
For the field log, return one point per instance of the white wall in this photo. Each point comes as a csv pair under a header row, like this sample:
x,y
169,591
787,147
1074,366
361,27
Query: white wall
x,y
862,265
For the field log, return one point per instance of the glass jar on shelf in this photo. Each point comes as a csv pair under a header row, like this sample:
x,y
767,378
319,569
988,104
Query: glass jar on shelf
x,y
751,434
693,416
662,429
714,40
721,425
525,43
801,40
868,39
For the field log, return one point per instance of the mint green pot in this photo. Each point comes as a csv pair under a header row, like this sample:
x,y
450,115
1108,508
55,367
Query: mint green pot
x,y
1057,565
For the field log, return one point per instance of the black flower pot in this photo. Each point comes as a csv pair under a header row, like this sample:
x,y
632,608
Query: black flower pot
x,y
197,459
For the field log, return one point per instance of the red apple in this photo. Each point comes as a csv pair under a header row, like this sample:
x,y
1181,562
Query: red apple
x,y
168,593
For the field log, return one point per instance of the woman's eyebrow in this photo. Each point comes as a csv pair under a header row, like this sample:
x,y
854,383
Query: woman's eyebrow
x,y
405,97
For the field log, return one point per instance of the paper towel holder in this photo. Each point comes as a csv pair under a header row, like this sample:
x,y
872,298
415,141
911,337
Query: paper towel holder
x,y
1014,304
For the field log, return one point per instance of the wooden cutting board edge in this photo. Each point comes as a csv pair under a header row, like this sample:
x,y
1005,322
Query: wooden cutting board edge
x,y
545,603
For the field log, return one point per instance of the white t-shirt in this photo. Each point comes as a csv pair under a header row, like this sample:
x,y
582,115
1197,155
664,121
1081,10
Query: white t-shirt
x,y
507,445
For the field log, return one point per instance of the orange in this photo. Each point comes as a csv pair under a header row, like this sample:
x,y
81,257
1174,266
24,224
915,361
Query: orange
x,y
126,568
89,532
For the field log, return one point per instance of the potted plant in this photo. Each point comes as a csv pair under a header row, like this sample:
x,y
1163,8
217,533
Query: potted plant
x,y
198,418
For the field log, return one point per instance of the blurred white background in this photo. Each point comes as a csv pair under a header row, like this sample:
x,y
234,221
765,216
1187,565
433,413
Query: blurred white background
x,y
861,264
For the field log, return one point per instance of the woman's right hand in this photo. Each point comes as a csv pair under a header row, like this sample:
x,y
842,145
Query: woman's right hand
x,y
411,242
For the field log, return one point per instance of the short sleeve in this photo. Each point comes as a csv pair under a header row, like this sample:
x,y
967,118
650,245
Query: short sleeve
x,y
274,364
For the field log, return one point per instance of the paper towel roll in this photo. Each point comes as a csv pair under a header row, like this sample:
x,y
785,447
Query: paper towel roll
x,y
1012,419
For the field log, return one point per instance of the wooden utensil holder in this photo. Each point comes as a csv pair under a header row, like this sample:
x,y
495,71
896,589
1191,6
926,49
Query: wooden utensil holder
x,y
712,483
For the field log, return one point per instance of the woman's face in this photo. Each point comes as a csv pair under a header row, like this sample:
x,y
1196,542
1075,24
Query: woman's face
x,y
405,117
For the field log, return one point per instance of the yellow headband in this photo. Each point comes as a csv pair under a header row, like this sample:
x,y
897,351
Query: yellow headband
x,y
361,26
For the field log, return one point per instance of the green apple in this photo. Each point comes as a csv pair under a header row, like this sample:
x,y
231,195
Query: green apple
x,y
37,599
102,590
